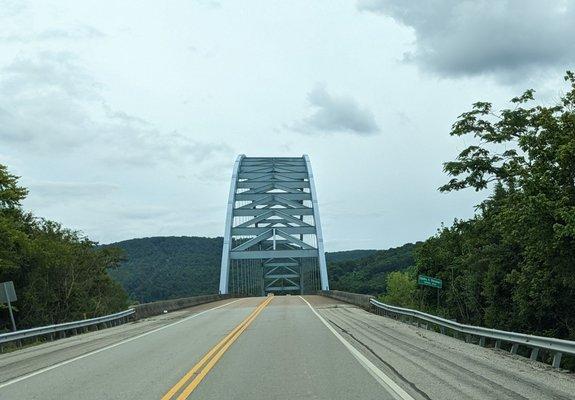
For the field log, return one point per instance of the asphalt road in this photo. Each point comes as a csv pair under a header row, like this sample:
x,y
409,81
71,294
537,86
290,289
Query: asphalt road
x,y
285,350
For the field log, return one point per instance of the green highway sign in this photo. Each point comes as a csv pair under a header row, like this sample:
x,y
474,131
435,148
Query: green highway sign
x,y
429,281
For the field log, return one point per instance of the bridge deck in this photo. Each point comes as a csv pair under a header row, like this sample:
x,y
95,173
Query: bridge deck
x,y
286,353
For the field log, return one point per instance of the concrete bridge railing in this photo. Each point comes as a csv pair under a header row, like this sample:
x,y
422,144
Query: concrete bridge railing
x,y
159,307
360,300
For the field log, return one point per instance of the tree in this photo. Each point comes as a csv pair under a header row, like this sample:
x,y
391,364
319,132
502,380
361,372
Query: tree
x,y
10,193
59,275
511,266
401,288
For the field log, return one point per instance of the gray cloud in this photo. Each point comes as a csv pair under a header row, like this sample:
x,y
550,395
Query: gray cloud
x,y
336,114
75,33
456,38
66,190
49,103
9,8
142,212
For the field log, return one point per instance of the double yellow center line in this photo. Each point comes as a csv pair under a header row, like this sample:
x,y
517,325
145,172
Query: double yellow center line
x,y
198,372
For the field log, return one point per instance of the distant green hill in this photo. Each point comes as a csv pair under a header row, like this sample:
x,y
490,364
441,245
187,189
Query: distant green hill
x,y
158,268
368,274
348,255
169,267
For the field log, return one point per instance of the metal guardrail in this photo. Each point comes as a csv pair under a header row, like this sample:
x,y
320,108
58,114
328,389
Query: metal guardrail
x,y
51,330
557,347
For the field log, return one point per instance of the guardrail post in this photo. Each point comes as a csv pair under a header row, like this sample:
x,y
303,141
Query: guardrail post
x,y
498,344
557,359
442,329
482,341
534,354
514,348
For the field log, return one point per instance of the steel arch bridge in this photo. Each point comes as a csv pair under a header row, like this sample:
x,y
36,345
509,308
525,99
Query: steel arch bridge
x,y
273,240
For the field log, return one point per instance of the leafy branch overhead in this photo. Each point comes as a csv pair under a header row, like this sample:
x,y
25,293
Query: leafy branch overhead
x,y
517,145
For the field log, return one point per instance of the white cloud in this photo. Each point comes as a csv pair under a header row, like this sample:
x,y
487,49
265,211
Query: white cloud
x,y
336,114
50,103
61,191
79,32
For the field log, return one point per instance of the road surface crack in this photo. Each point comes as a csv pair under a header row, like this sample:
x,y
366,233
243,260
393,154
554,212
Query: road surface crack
x,y
396,372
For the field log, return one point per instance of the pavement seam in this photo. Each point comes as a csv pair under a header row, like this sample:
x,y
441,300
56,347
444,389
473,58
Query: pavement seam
x,y
403,378
478,380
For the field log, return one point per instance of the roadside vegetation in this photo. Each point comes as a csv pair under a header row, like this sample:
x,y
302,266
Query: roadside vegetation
x,y
369,275
58,274
511,266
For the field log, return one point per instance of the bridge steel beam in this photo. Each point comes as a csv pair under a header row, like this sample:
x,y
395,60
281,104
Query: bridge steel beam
x,y
273,240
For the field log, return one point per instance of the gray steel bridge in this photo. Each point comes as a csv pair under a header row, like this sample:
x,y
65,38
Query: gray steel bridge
x,y
273,240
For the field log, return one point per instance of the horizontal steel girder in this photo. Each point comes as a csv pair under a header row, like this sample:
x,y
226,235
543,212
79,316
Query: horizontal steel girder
x,y
277,168
243,212
291,230
280,276
255,184
277,175
281,264
287,196
281,289
265,254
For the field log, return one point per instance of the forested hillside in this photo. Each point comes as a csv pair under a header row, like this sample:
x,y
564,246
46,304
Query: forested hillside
x,y
159,268
512,266
58,274
347,255
369,274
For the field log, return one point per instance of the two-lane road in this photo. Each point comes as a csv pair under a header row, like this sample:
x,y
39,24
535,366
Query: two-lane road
x,y
286,352
288,347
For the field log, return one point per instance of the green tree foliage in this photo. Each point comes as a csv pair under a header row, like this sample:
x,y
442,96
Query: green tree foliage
x,y
401,288
159,268
58,275
369,275
347,255
512,265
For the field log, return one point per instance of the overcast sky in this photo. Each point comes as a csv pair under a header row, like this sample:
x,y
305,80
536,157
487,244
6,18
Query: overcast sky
x,y
124,118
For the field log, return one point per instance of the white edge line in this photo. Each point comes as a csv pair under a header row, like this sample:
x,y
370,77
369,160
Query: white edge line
x,y
364,361
91,353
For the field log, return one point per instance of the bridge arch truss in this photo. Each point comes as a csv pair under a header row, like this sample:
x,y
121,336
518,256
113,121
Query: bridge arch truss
x,y
273,240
